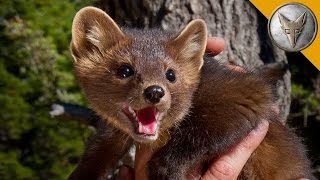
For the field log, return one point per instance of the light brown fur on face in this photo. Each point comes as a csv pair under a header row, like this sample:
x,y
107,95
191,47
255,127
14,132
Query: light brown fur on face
x,y
99,48
226,105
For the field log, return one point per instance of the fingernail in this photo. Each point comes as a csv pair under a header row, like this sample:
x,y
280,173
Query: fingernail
x,y
275,109
217,38
262,126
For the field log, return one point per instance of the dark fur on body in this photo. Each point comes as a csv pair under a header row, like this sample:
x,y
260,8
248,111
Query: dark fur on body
x,y
227,105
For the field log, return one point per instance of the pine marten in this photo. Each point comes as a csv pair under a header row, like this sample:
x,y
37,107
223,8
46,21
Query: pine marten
x,y
155,88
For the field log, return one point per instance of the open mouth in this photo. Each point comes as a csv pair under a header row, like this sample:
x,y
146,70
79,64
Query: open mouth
x,y
144,120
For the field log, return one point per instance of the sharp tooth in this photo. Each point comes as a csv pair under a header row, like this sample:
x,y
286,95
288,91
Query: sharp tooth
x,y
140,127
131,111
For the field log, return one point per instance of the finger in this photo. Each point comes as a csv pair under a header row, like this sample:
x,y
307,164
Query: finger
x,y
275,109
215,45
235,68
125,173
230,165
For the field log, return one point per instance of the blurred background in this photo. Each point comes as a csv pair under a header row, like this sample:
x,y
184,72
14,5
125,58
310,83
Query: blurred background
x,y
36,71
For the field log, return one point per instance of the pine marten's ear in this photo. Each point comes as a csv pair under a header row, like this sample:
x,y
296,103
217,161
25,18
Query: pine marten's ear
x,y
191,43
93,29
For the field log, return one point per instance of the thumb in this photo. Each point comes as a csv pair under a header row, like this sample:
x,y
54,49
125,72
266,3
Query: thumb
x,y
229,166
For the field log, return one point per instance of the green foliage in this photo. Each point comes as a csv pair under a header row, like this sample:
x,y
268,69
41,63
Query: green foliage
x,y
11,168
305,87
308,100
35,71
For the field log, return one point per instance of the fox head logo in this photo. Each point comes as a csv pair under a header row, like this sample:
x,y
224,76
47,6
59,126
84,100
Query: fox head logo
x,y
292,28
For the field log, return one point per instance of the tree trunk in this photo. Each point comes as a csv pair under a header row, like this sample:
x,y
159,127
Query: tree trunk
x,y
238,22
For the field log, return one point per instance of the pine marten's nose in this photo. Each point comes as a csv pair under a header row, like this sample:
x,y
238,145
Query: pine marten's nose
x,y
154,94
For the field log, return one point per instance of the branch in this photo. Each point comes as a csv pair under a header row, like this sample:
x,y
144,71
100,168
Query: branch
x,y
74,112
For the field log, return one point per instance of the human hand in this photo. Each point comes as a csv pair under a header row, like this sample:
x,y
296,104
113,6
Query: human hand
x,y
229,166
215,46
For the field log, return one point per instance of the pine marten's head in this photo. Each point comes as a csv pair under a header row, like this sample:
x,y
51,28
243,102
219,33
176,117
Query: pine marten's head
x,y
140,81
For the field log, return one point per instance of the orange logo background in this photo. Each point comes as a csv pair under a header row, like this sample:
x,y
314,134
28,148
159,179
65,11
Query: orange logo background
x,y
313,51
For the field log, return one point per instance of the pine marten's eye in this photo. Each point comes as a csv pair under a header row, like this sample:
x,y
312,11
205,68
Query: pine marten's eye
x,y
125,71
170,75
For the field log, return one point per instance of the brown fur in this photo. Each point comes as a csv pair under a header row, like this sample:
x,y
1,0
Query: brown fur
x,y
103,147
279,156
227,105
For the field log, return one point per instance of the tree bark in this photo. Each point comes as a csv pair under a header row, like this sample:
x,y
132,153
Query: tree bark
x,y
238,22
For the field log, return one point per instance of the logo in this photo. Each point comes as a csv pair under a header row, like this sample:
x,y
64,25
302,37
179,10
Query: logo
x,y
292,27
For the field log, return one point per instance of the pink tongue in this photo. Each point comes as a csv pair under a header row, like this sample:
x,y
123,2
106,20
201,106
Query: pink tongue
x,y
147,120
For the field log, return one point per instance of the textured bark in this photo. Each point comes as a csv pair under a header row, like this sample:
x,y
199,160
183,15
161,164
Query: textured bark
x,y
238,22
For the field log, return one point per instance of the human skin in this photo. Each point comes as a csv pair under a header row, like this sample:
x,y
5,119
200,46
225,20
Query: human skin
x,y
227,166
